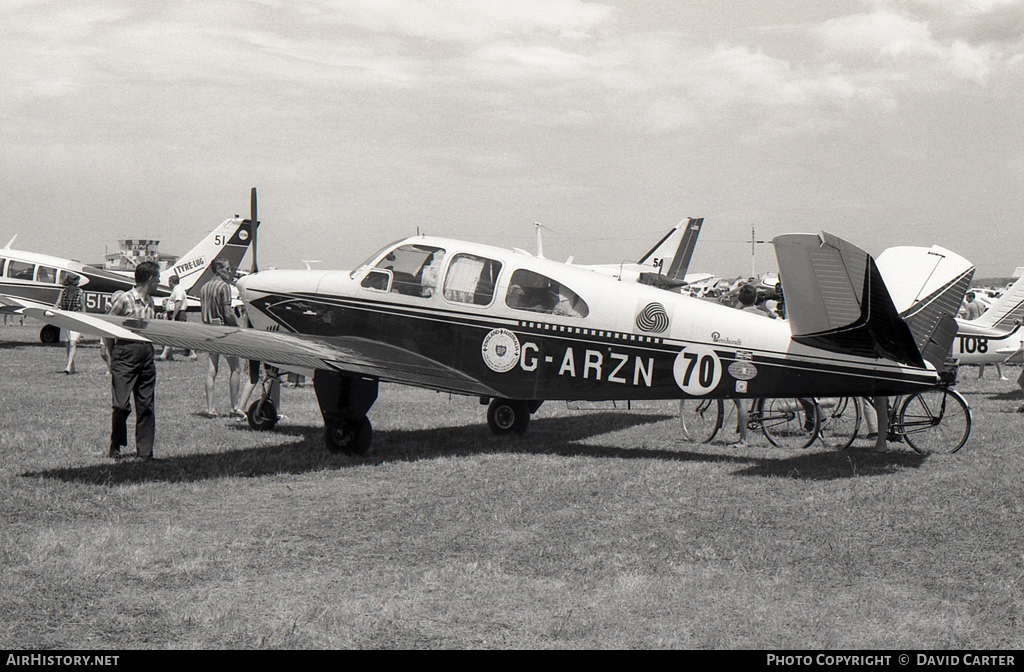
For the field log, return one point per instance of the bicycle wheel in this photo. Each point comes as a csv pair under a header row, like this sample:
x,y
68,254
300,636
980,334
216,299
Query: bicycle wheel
x,y
935,421
788,423
701,419
840,420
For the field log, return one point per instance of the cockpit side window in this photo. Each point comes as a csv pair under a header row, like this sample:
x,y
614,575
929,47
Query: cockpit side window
x,y
3,263
46,274
471,279
379,280
20,270
413,268
539,294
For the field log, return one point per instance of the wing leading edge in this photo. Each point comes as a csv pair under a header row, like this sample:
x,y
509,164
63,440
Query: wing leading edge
x,y
344,354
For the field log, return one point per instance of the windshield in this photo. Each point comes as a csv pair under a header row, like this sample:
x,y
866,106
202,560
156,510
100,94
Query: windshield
x,y
362,266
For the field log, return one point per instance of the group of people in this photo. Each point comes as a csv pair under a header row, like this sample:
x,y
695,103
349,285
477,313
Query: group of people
x,y
131,363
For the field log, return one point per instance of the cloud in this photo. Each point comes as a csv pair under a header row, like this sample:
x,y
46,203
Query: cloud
x,y
915,52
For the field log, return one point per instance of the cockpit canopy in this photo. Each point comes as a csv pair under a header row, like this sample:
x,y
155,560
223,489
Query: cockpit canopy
x,y
425,271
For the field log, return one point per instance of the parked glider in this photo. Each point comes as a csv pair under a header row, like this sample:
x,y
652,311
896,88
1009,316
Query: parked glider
x,y
516,330
39,277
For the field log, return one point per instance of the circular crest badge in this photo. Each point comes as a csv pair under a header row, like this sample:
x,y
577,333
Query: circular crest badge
x,y
500,350
243,235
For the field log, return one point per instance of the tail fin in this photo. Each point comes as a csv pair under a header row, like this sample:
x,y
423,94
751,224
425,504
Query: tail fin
x,y
663,249
836,299
682,259
926,284
228,241
1006,310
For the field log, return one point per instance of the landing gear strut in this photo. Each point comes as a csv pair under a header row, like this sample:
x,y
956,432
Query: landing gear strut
x,y
344,401
262,413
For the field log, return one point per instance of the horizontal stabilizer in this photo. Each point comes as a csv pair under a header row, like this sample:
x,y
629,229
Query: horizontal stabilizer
x,y
1007,310
836,299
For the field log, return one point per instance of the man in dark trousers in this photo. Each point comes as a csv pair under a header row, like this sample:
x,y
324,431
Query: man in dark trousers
x,y
132,370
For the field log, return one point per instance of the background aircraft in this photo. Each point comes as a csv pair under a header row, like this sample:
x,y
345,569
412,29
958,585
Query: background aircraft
x,y
666,263
39,277
995,335
516,330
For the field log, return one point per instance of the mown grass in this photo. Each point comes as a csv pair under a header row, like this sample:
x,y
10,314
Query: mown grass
x,y
598,529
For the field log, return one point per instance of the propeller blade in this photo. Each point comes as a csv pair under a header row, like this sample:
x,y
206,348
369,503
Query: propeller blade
x,y
255,224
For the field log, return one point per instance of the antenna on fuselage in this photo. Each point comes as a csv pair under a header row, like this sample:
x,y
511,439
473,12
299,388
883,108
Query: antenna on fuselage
x,y
540,239
10,242
255,224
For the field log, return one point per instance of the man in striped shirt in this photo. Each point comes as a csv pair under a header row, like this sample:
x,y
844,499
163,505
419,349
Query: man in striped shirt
x,y
215,297
132,370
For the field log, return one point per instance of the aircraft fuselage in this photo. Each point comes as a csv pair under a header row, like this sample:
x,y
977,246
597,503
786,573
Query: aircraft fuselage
x,y
618,340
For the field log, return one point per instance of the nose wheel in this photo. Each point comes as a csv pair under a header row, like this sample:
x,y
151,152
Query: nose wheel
x,y
505,416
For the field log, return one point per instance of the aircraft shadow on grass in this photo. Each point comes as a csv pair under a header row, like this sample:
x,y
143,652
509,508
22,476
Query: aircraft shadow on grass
x,y
548,436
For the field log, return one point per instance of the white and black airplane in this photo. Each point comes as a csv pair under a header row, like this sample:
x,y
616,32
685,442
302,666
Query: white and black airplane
x,y
516,330
39,277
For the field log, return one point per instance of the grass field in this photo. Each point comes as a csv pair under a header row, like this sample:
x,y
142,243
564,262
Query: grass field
x,y
597,529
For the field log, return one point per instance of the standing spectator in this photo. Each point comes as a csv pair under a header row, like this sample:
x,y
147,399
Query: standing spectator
x,y
174,309
132,370
71,299
973,308
215,300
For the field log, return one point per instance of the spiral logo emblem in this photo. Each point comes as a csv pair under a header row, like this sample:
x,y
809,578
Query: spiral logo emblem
x,y
653,319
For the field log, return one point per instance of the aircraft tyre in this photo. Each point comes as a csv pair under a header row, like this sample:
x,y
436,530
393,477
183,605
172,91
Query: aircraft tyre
x,y
508,417
262,416
49,334
352,437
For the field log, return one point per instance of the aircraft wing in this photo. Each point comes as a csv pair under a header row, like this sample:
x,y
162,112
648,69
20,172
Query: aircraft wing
x,y
836,299
343,354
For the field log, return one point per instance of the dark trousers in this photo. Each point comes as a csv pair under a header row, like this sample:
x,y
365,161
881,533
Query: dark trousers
x,y
133,373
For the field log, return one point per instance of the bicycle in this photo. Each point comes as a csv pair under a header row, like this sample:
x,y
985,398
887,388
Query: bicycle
x,y
786,423
934,421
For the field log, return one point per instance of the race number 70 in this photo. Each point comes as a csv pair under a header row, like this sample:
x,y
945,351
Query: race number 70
x,y
697,369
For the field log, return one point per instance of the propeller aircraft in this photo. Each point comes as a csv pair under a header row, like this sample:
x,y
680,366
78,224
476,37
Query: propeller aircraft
x,y
516,330
39,277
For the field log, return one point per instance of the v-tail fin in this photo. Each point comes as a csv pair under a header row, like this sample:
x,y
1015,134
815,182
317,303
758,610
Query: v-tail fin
x,y
836,300
228,241
926,284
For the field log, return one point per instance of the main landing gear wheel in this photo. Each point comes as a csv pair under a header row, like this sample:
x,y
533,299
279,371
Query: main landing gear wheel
x,y
508,417
262,416
352,437
49,334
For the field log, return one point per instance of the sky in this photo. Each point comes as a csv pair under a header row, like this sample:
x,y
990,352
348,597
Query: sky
x,y
885,122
